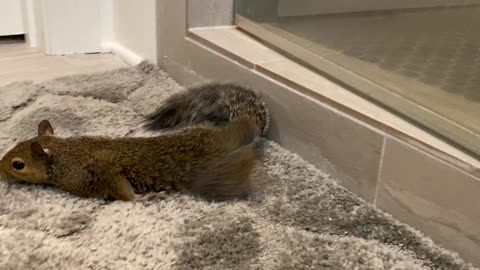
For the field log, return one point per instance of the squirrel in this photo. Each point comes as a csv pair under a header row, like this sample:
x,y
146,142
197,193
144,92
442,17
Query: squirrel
x,y
208,148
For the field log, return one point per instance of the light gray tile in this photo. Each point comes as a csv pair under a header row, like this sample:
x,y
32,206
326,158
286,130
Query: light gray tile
x,y
171,30
433,196
239,44
335,143
202,13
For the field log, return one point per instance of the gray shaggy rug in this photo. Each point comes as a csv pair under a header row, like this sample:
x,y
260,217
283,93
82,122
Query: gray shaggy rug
x,y
297,218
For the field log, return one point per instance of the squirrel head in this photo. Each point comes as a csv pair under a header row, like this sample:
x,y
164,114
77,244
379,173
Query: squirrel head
x,y
28,161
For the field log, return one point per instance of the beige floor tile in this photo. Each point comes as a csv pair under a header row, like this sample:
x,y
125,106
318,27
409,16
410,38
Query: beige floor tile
x,y
20,62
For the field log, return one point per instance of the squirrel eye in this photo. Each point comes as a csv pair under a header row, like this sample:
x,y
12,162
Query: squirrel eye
x,y
18,164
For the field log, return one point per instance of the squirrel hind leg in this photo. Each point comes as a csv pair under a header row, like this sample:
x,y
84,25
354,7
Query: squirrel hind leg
x,y
240,132
226,178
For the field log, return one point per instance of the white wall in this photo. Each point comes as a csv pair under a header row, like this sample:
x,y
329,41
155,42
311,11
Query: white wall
x,y
125,27
11,22
106,18
32,12
134,27
72,26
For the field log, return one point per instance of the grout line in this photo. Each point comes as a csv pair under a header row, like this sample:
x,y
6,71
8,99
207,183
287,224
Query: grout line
x,y
217,27
269,61
380,166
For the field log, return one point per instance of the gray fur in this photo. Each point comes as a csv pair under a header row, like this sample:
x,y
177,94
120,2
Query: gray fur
x,y
296,217
213,103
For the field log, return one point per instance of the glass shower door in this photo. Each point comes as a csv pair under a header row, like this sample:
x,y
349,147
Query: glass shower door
x,y
418,58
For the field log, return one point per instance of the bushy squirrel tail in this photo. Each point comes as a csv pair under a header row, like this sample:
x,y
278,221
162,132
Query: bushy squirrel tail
x,y
212,104
228,177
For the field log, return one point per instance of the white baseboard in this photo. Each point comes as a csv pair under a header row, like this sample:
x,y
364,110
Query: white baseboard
x,y
123,52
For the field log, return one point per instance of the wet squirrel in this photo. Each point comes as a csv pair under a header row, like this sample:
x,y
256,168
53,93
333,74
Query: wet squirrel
x,y
209,147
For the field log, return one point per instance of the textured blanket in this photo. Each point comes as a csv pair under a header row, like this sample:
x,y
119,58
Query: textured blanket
x,y
297,217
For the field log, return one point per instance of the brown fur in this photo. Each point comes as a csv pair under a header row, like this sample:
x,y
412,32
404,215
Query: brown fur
x,y
210,161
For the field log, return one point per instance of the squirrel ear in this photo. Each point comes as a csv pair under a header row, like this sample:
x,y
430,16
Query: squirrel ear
x,y
45,129
37,150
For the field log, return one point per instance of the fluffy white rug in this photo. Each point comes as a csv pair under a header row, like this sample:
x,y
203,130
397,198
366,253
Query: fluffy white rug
x,y
297,217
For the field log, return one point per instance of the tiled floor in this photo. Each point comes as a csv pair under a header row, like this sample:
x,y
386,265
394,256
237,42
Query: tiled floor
x,y
18,61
